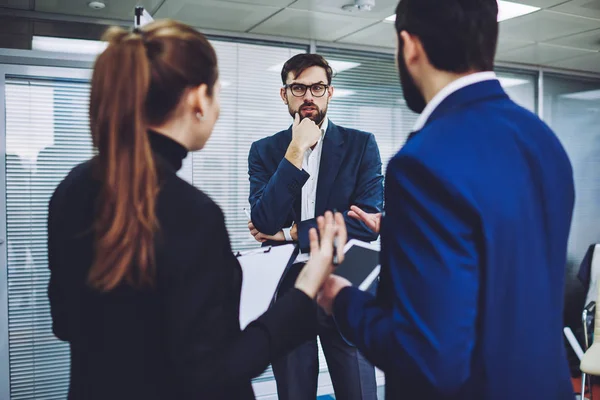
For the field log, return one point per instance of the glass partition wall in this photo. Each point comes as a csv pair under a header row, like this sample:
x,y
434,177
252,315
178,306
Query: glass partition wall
x,y
45,133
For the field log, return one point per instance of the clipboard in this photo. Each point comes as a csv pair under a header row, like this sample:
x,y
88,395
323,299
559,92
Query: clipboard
x,y
361,264
263,272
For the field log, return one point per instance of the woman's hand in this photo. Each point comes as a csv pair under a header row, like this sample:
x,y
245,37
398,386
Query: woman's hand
x,y
319,267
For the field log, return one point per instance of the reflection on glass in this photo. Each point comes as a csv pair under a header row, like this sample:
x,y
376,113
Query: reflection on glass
x,y
368,97
46,136
520,87
572,109
251,109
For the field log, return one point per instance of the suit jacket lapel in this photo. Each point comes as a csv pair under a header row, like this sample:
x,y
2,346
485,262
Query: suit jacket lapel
x,y
283,146
331,160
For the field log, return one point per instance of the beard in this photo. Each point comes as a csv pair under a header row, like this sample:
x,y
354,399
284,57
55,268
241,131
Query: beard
x,y
317,116
413,96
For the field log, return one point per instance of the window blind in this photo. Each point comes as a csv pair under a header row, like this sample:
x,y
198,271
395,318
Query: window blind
x,y
368,97
251,109
46,135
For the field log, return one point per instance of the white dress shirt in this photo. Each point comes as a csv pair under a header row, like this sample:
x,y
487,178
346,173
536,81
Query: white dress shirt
x,y
311,164
447,91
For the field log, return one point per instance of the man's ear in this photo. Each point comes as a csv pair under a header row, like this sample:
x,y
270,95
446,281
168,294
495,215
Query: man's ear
x,y
283,94
410,47
330,91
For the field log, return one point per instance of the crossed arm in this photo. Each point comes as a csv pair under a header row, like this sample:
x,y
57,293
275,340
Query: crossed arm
x,y
272,198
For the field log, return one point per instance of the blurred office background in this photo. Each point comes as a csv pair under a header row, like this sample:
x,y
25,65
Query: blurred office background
x,y
548,61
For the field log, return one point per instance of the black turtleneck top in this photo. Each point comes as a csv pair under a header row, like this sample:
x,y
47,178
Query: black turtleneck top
x,y
181,339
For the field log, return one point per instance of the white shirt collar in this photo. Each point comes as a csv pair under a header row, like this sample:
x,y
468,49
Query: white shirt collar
x,y
447,91
324,126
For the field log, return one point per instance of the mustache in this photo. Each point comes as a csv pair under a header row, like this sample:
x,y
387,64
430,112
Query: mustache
x,y
306,105
320,113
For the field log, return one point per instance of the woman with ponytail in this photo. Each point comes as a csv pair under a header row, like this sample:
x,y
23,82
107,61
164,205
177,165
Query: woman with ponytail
x,y
144,286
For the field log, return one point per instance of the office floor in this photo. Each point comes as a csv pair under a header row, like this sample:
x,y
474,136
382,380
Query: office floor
x,y
577,388
380,395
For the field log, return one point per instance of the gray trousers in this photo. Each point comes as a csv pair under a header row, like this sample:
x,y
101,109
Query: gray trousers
x,y
297,373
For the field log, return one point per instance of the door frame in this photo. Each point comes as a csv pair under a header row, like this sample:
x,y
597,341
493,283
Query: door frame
x,y
24,64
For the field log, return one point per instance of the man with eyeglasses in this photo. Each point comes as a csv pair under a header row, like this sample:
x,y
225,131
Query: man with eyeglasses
x,y
295,176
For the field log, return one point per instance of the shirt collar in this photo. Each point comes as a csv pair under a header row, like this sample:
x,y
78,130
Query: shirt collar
x,y
452,87
324,126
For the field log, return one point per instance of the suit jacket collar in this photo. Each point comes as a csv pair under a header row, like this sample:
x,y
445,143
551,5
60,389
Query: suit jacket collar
x,y
446,91
331,161
466,96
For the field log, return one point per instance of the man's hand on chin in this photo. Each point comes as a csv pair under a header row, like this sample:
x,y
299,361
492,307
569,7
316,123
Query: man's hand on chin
x,y
331,288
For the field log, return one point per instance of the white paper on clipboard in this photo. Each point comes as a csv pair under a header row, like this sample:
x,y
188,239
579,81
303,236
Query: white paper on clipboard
x,y
262,269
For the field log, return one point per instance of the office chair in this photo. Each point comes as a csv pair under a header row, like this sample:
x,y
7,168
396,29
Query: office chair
x,y
587,319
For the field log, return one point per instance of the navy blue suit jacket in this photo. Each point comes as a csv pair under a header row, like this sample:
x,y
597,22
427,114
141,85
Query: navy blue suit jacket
x,y
478,209
349,174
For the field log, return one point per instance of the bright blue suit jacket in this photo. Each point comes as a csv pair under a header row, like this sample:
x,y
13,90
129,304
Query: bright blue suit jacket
x,y
478,209
349,174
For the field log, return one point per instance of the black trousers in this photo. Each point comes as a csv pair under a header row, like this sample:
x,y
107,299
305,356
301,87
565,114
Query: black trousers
x,y
297,373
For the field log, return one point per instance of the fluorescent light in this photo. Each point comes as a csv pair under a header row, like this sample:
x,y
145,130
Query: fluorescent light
x,y
506,10
511,82
64,45
587,95
341,66
336,65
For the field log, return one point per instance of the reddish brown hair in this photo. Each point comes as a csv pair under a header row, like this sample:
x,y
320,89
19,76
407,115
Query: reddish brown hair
x,y
137,81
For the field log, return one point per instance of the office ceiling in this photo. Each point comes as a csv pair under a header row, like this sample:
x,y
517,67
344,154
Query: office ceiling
x,y
564,34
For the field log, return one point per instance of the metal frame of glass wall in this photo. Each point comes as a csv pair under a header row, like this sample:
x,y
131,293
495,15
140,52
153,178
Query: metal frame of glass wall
x,y
12,64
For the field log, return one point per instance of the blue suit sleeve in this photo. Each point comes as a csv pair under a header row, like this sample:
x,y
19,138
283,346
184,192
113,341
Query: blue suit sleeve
x,y
422,324
368,196
272,196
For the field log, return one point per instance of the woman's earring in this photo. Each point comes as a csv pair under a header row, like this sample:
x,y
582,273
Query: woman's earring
x,y
200,116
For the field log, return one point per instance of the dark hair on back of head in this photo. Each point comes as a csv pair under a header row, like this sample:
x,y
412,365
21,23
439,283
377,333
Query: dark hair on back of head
x,y
457,35
301,62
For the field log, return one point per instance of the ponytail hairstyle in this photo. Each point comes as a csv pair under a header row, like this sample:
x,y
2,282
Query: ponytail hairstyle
x,y
138,81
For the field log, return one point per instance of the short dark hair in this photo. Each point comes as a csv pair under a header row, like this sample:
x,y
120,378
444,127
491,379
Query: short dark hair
x,y
301,62
457,35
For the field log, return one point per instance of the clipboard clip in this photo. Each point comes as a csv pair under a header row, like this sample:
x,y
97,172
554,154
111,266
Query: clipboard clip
x,y
262,250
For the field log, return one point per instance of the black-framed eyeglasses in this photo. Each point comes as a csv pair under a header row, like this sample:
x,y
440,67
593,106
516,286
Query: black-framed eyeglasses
x,y
299,90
